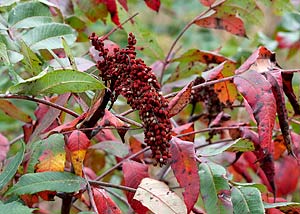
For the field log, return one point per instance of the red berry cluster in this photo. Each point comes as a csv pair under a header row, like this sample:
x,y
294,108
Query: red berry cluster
x,y
134,80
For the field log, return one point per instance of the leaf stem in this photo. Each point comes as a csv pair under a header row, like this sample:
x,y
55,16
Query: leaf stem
x,y
105,184
45,102
121,162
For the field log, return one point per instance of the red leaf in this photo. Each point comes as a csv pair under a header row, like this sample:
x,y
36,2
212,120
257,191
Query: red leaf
x,y
207,3
78,141
185,170
230,23
258,93
4,147
77,144
111,6
261,53
289,91
287,173
134,173
124,4
153,4
275,79
67,126
180,100
104,203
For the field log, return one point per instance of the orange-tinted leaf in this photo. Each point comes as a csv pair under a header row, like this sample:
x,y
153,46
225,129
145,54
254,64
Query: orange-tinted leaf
x,y
229,23
135,142
287,173
180,100
13,111
4,147
226,91
279,147
49,161
134,173
205,57
104,203
207,3
153,4
185,170
30,200
258,93
183,129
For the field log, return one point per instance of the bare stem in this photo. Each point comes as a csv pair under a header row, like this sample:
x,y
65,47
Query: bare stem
x,y
118,27
105,184
45,102
214,129
121,162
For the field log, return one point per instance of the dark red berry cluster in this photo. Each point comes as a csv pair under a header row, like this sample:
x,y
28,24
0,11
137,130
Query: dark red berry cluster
x,y
133,79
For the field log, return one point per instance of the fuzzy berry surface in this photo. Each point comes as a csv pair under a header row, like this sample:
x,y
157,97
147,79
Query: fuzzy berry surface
x,y
130,77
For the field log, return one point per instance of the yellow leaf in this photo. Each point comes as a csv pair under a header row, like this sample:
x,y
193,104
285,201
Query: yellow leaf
x,y
77,158
51,162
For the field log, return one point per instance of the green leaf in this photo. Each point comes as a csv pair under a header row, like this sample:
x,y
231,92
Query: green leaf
x,y
146,39
262,188
54,143
15,208
285,207
48,36
69,54
241,145
29,14
214,189
4,60
32,63
247,200
59,82
53,181
11,168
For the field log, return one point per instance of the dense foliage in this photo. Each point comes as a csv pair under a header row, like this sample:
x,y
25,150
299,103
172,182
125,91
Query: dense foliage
x,y
116,106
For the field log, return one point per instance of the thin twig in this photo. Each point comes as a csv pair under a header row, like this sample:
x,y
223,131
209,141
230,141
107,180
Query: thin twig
x,y
121,162
16,139
215,142
90,193
214,129
127,120
45,102
118,27
124,200
186,27
116,186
